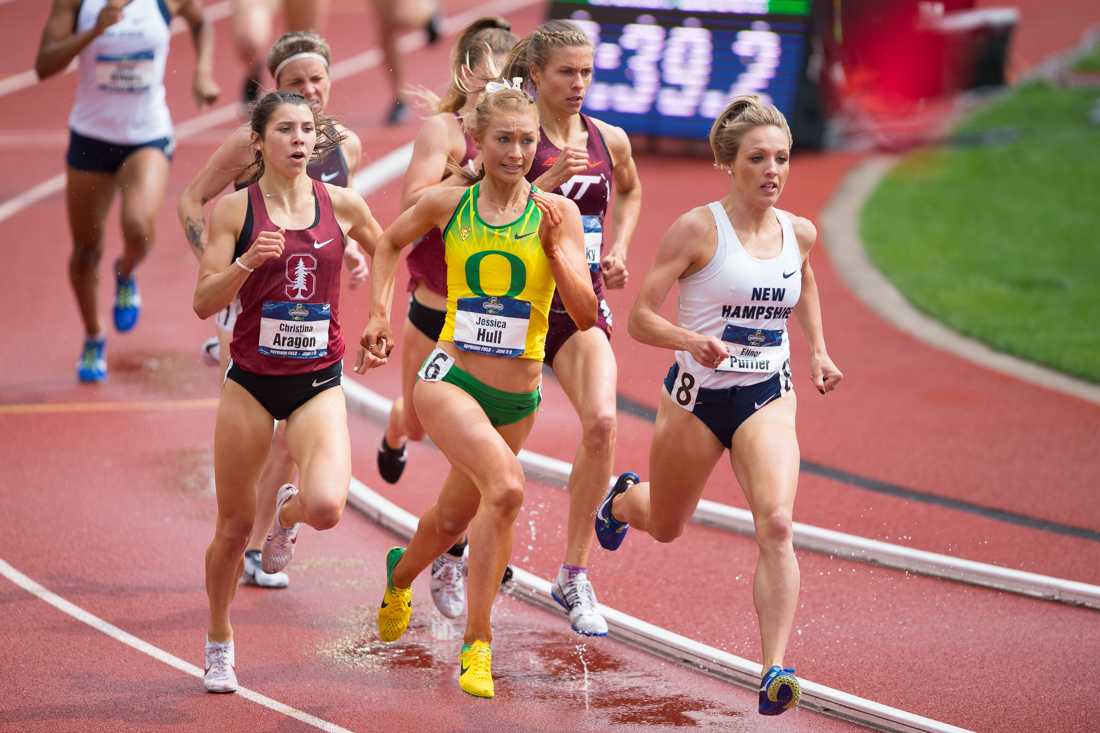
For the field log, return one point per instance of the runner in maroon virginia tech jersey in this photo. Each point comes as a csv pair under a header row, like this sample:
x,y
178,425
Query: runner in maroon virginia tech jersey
x,y
581,157
278,244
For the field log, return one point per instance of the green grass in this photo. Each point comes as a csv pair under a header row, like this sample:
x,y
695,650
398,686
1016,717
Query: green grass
x,y
1090,62
1002,242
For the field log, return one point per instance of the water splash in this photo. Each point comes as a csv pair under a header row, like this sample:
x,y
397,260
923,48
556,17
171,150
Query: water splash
x,y
586,682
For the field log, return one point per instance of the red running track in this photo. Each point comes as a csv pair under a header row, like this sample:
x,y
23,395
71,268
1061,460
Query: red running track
x,y
121,531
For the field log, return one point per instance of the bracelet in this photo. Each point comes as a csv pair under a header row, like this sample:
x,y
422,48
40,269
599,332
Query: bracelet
x,y
243,266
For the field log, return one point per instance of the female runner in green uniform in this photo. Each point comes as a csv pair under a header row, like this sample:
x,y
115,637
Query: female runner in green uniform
x,y
507,245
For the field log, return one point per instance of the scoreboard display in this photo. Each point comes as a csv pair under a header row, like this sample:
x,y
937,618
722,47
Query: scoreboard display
x,y
668,67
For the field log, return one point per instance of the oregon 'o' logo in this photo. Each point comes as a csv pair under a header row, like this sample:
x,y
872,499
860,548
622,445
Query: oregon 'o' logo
x,y
515,265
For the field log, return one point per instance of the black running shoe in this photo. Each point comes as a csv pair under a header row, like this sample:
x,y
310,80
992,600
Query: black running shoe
x,y
250,92
391,461
433,29
398,113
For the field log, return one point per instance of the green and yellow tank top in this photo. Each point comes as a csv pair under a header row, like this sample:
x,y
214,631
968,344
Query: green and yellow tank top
x,y
499,283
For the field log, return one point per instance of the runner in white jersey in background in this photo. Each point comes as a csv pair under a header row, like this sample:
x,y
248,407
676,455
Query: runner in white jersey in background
x,y
743,269
120,137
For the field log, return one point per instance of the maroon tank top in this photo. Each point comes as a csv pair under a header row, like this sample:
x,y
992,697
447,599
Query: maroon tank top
x,y
290,307
425,261
591,190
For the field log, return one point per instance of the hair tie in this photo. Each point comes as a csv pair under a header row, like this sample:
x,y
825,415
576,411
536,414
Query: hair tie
x,y
504,85
296,57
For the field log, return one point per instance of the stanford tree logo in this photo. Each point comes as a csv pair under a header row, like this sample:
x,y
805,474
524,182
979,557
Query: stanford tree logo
x,y
300,279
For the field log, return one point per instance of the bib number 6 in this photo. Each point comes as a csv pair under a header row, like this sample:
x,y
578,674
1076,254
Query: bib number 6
x,y
436,366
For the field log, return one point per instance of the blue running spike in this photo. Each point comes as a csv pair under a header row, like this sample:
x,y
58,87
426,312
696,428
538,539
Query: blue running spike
x,y
127,303
92,367
779,691
610,531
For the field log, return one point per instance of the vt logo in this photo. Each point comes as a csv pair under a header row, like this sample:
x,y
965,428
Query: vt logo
x,y
580,184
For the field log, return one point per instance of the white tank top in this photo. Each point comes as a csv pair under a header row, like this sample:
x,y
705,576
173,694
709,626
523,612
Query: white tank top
x,y
745,302
120,95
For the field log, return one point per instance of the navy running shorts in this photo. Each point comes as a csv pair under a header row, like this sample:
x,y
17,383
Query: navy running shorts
x,y
725,410
99,156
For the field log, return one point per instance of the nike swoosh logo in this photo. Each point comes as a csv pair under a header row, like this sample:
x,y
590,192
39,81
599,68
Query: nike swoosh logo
x,y
326,177
318,245
788,274
758,405
607,521
326,381
524,236
463,669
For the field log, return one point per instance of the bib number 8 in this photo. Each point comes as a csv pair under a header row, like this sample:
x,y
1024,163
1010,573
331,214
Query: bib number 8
x,y
683,393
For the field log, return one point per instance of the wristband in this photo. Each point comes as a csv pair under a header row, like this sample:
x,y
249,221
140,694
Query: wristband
x,y
243,266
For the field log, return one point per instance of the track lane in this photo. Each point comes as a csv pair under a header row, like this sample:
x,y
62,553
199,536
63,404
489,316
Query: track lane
x,y
137,377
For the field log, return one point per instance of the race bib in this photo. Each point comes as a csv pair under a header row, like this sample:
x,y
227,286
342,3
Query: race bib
x,y
131,73
294,330
436,366
685,390
758,350
493,325
593,241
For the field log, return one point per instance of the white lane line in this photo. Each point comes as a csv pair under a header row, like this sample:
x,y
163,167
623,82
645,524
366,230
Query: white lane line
x,y
383,170
157,653
734,519
343,69
669,645
29,78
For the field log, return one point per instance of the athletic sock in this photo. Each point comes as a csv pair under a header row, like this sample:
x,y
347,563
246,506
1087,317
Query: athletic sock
x,y
569,572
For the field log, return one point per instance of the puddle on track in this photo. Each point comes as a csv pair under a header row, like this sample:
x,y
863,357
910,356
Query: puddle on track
x,y
548,666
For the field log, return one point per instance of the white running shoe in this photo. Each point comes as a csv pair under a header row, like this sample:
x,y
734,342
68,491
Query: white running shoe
x,y
577,596
279,545
254,573
219,661
448,586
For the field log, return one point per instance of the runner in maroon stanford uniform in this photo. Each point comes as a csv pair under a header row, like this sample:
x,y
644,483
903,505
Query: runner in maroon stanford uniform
x,y
581,158
278,245
299,62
